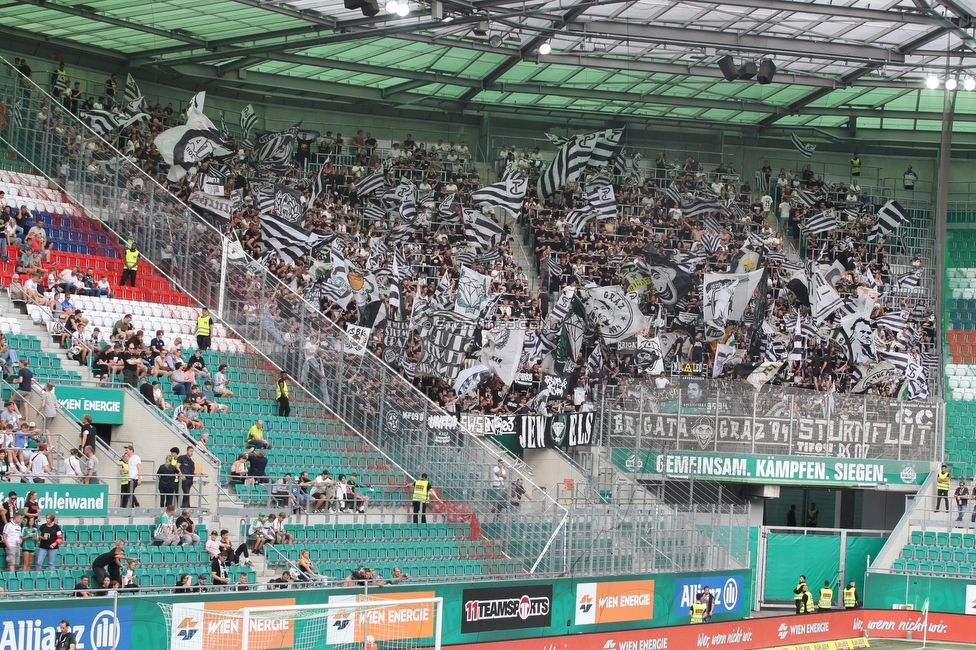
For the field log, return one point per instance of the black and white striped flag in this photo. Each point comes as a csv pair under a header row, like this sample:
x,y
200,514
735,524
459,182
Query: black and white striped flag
x,y
674,193
823,299
214,180
603,202
287,237
606,143
374,211
371,183
773,349
557,140
909,280
248,119
600,180
819,223
100,121
481,230
806,198
893,320
318,185
711,223
465,258
576,220
445,209
509,194
554,265
489,256
132,93
890,216
693,206
395,288
616,259
594,363
442,295
401,233
710,242
408,209
636,173
273,150
17,113
805,149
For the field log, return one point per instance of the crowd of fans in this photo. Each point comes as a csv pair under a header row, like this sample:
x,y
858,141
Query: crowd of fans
x,y
648,220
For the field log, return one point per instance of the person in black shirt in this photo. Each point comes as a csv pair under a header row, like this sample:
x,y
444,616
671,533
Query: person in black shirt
x,y
108,565
218,572
146,390
187,470
65,638
166,476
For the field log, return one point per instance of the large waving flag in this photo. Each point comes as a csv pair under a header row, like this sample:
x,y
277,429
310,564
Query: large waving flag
x,y
188,144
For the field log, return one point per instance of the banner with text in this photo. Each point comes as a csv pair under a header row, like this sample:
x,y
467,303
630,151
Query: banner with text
x,y
772,470
103,404
65,499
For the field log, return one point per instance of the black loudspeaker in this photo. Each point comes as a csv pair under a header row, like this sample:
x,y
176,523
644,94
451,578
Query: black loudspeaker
x,y
767,69
728,68
747,70
369,7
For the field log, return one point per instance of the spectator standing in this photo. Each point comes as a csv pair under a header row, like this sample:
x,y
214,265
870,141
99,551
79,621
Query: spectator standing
x,y
813,515
500,478
218,572
49,539
962,499
855,165
28,543
422,490
204,329
131,266
909,178
281,396
49,406
111,88
24,382
72,465
187,471
167,476
707,598
942,484
12,531
791,515
88,432
91,467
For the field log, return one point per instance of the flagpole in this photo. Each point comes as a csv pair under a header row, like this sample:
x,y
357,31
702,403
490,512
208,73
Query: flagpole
x,y
925,631
223,279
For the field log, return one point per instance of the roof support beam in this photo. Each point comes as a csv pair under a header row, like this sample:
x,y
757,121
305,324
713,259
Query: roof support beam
x,y
738,42
304,30
291,13
575,11
117,22
854,75
833,10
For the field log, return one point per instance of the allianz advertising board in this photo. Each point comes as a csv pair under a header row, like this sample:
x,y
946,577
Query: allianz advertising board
x,y
95,628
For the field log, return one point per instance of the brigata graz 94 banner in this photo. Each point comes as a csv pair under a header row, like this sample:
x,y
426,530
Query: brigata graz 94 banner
x,y
772,469
700,416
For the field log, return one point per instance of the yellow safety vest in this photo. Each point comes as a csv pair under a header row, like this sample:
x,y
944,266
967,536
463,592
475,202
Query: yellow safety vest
x,y
62,76
203,325
812,517
810,607
281,389
125,473
849,597
855,165
942,481
826,598
421,492
698,613
131,260
798,591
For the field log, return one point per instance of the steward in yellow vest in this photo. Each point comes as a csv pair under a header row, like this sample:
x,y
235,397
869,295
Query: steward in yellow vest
x,y
204,329
131,266
698,612
826,601
942,485
850,596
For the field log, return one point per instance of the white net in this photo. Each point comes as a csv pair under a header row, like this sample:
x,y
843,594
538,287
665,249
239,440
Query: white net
x,y
352,622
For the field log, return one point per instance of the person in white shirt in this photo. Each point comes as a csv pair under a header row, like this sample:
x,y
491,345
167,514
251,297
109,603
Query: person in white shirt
x,y
342,493
767,204
661,382
498,481
11,539
72,465
40,468
784,214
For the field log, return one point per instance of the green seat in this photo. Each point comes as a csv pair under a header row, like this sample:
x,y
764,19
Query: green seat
x,y
916,537
942,539
929,538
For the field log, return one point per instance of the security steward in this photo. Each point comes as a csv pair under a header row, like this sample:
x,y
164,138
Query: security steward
x,y
698,611
798,594
204,329
826,597
421,497
850,596
131,265
942,485
856,165
813,515
808,601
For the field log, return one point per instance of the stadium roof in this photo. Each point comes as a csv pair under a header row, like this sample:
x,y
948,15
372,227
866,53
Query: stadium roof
x,y
622,60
